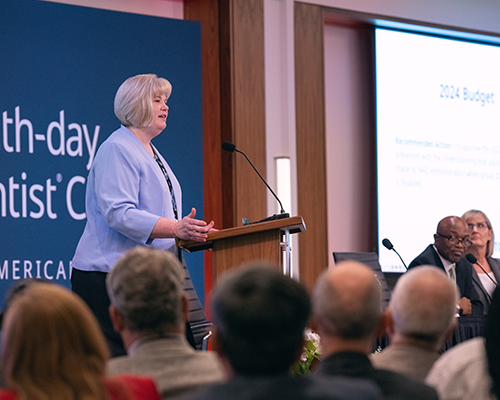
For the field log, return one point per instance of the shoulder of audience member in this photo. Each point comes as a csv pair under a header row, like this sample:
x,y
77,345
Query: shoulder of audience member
x,y
139,387
459,359
311,387
7,394
397,386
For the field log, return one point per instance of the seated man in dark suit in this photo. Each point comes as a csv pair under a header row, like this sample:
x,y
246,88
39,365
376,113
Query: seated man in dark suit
x,y
451,241
346,307
259,316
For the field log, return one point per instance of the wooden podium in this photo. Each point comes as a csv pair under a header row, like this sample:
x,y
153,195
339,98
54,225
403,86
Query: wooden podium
x,y
260,241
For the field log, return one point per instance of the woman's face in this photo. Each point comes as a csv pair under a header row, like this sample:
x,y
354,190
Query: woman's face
x,y
160,112
480,234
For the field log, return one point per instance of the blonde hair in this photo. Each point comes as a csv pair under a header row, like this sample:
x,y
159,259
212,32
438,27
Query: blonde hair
x,y
134,99
490,246
52,346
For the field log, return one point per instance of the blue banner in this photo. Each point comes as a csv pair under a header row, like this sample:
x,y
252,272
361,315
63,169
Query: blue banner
x,y
61,66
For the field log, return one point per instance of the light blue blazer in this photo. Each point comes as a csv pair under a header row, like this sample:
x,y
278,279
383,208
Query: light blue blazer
x,y
126,194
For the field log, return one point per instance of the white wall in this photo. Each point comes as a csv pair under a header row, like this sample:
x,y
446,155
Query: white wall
x,y
280,102
347,144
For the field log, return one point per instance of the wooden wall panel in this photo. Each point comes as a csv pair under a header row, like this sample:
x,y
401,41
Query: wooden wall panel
x,y
310,138
233,107
207,13
248,108
232,41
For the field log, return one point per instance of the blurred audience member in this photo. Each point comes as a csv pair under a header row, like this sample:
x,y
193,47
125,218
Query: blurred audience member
x,y
420,317
451,241
346,306
466,370
486,272
15,289
259,316
53,348
149,309
492,337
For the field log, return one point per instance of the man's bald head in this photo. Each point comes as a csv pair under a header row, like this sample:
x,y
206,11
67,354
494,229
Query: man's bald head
x,y
346,301
451,224
423,304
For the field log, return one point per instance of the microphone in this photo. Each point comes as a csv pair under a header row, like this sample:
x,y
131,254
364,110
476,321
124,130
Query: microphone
x,y
473,260
389,246
230,147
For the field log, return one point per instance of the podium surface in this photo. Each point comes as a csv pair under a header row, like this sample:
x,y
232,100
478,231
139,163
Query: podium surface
x,y
235,246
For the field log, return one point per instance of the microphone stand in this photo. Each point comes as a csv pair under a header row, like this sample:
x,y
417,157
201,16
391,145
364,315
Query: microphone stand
x,y
488,275
473,260
389,246
230,147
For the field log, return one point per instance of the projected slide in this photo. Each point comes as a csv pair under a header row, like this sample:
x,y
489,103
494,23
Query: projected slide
x,y
438,137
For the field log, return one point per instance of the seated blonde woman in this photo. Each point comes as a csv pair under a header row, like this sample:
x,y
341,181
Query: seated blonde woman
x,y
52,348
486,272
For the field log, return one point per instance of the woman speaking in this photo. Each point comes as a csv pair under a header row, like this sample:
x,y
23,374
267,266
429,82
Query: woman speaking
x,y
132,197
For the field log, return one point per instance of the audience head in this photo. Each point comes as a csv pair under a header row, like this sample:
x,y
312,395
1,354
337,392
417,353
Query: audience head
x,y
346,301
134,99
452,238
480,230
492,337
52,346
259,316
423,305
146,288
16,289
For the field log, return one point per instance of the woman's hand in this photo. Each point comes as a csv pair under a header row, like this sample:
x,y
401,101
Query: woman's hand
x,y
187,228
193,229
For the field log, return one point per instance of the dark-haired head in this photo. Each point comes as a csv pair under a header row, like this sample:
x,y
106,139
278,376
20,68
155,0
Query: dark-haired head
x,y
260,316
17,288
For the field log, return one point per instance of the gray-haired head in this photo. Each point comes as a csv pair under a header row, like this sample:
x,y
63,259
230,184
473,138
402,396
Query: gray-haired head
x,y
146,287
346,301
423,304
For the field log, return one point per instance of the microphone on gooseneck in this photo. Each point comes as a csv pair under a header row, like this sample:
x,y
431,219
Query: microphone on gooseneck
x,y
473,260
228,146
389,246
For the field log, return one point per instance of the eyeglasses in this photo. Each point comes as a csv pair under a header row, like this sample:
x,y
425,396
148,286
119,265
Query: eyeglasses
x,y
456,241
479,225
